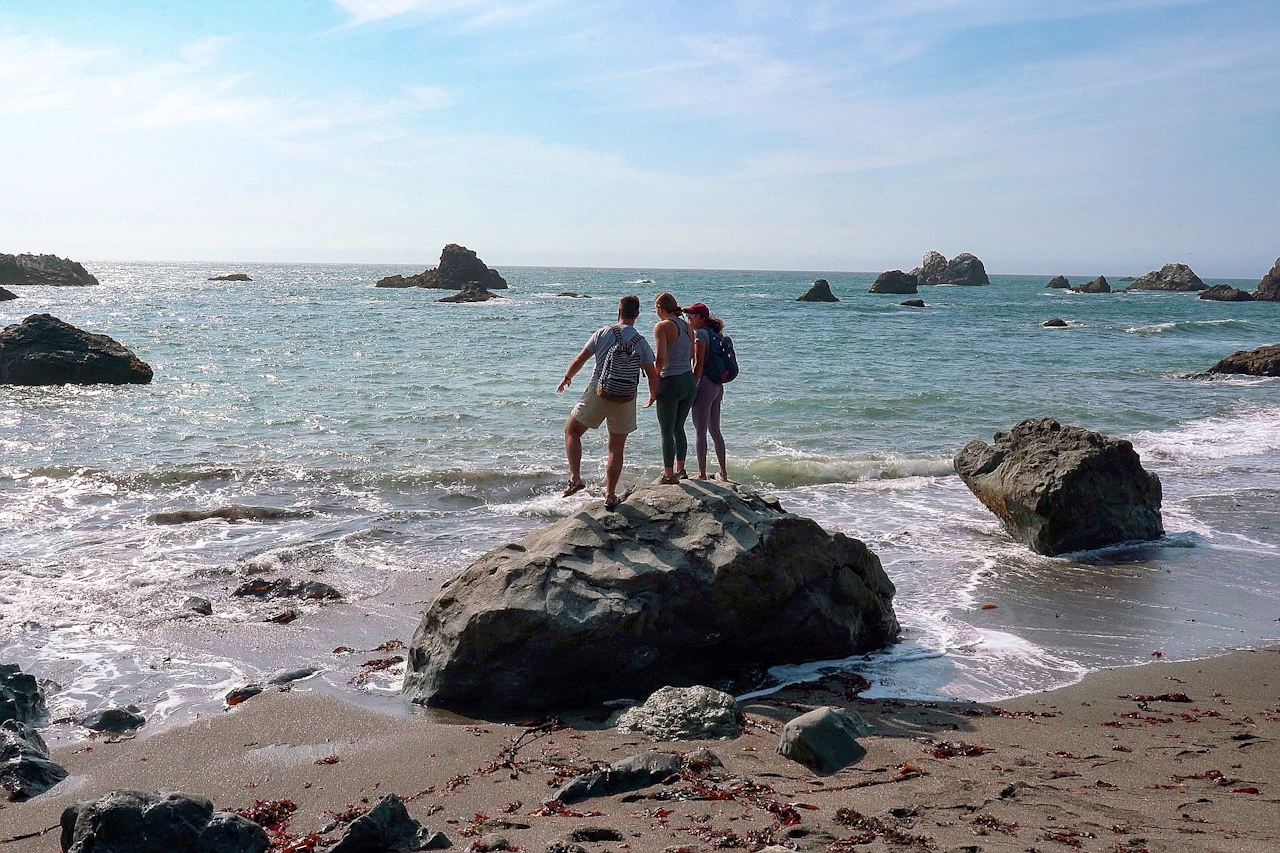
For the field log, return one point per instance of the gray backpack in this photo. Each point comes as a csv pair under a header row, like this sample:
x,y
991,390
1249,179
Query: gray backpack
x,y
620,371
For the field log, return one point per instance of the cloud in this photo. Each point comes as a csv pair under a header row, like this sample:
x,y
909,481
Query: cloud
x,y
473,13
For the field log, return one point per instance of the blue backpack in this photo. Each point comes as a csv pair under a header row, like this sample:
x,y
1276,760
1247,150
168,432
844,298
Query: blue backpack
x,y
722,362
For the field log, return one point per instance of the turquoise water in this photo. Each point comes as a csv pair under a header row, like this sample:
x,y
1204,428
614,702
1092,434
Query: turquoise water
x,y
419,434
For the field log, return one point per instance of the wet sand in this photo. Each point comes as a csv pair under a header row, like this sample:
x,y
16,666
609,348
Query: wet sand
x,y
1081,768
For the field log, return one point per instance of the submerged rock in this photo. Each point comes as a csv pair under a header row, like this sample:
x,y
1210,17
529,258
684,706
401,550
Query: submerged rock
x,y
894,281
621,777
684,713
1059,281
20,696
167,822
286,588
473,292
679,585
114,720
1054,323
572,295
232,513
965,269
1098,285
235,276
43,350
913,303
1263,361
26,770
1169,277
388,828
459,266
819,292
197,604
824,740
6,295
49,270
932,269
1269,287
1226,293
1060,489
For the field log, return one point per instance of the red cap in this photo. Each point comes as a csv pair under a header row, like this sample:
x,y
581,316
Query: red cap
x,y
700,309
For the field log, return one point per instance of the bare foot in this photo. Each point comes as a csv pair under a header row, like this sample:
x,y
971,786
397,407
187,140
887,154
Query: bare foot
x,y
722,477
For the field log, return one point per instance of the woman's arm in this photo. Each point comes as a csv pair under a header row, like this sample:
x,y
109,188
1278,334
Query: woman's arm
x,y
699,357
660,342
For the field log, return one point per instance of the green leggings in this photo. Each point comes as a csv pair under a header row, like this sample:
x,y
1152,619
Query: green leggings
x,y
675,398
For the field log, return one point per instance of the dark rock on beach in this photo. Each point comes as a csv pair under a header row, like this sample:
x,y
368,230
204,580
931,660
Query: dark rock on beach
x,y
1263,361
243,693
1059,282
20,695
26,770
1054,323
894,281
232,513
1060,489
288,676
459,266
824,739
388,827
285,588
932,269
166,822
621,777
1098,285
819,292
1169,277
235,276
1226,293
6,295
196,604
965,269
472,292
1269,287
679,585
114,720
913,303
43,350
49,270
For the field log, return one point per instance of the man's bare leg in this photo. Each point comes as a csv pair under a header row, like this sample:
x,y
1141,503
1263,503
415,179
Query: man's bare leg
x,y
613,469
573,430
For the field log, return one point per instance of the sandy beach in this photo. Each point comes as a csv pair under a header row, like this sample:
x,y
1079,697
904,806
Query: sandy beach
x,y
1162,757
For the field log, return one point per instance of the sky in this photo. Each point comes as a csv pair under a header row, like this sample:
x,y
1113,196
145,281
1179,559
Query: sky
x,y
1076,136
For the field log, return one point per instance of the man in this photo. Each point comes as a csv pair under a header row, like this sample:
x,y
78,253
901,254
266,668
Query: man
x,y
594,409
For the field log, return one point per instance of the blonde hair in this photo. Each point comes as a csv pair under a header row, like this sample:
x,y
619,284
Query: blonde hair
x,y
668,303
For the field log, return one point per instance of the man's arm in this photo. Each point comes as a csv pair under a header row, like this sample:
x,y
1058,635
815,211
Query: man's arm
x,y
574,366
651,371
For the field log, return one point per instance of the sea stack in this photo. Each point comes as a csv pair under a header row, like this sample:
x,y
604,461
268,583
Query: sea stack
x,y
680,585
819,292
894,281
459,267
1060,489
932,269
1098,285
1269,287
43,350
1177,277
1059,281
49,270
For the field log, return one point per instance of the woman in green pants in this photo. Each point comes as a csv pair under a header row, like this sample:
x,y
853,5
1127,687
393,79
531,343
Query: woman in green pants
x,y
679,365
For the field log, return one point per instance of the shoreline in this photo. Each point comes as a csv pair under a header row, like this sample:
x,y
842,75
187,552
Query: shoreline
x,y
1080,767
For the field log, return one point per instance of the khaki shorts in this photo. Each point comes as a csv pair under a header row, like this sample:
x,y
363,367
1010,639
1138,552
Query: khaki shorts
x,y
593,410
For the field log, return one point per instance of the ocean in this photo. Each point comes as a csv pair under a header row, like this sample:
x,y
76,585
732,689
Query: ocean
x,y
411,436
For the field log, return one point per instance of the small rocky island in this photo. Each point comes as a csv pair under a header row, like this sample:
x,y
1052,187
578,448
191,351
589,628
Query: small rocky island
x,y
48,270
894,281
235,276
1059,282
964,269
459,267
1226,293
694,583
472,292
1098,285
1177,277
819,292
1060,489
43,350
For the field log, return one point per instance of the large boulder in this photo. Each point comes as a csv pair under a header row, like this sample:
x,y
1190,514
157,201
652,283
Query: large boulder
x,y
824,739
1269,288
1059,281
43,269
1060,489
26,770
932,269
20,696
1263,361
680,585
1098,285
43,350
1226,293
1170,277
819,292
142,822
459,266
894,281
965,269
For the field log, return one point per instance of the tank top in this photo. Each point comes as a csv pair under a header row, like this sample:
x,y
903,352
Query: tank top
x,y
679,352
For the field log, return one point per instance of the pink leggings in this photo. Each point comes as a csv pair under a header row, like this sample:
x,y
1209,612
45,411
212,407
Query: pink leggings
x,y
706,416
